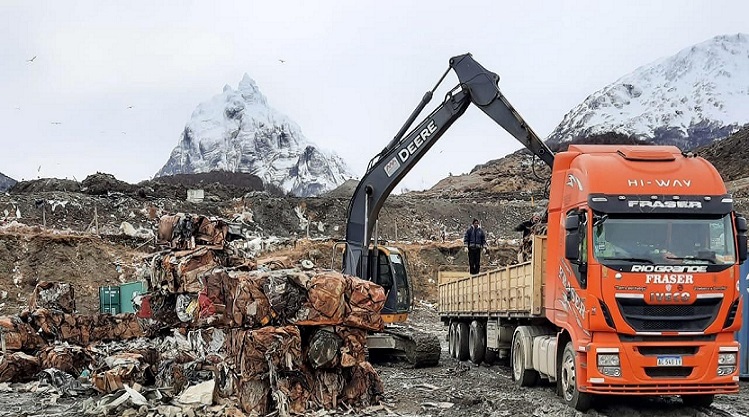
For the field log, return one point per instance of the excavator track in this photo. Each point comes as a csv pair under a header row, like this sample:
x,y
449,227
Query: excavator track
x,y
420,349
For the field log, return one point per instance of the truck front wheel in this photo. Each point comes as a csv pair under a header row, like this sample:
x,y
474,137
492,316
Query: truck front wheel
x,y
522,376
580,401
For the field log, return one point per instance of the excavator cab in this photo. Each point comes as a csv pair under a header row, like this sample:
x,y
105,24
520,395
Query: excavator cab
x,y
388,269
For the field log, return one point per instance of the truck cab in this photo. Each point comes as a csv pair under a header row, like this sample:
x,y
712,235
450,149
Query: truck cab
x,y
647,249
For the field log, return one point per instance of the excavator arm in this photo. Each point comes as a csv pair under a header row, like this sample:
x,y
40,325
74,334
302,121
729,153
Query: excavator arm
x,y
477,85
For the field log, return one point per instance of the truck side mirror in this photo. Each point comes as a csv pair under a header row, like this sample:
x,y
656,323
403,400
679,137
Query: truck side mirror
x,y
572,239
741,238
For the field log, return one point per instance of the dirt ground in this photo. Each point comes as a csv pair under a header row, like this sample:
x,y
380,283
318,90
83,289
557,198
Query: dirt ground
x,y
465,389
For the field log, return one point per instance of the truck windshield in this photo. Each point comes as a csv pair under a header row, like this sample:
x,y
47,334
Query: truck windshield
x,y
703,240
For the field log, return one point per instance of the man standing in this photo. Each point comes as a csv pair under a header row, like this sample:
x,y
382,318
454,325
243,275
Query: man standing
x,y
474,240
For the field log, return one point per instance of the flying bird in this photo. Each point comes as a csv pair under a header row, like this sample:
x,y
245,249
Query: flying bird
x,y
32,59
282,61
129,107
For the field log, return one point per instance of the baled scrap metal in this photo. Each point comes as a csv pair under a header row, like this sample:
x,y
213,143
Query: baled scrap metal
x,y
192,266
17,335
296,389
53,295
354,348
121,368
286,291
325,303
280,347
66,358
363,385
250,306
365,300
18,367
328,387
324,349
183,231
254,395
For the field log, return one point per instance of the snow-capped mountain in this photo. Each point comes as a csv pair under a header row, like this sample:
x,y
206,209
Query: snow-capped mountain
x,y
6,183
237,131
688,99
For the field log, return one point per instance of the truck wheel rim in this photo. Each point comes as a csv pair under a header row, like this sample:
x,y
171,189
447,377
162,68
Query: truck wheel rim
x,y
517,361
568,377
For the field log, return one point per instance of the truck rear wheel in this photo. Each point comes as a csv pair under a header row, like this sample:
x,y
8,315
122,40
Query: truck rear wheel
x,y
580,401
462,331
523,377
476,342
698,400
451,339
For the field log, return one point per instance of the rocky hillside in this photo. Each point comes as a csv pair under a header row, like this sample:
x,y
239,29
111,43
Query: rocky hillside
x,y
6,182
238,131
688,99
514,174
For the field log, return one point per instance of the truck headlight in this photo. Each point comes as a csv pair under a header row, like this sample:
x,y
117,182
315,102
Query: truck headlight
x,y
608,359
611,371
726,370
727,358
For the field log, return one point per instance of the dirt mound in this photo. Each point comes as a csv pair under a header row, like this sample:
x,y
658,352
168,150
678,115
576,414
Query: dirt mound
x,y
85,261
101,184
517,174
345,190
45,185
218,185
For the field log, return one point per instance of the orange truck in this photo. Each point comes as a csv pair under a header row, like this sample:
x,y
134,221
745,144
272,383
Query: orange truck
x,y
633,291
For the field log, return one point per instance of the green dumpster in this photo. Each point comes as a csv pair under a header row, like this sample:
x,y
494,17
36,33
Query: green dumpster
x,y
109,299
128,291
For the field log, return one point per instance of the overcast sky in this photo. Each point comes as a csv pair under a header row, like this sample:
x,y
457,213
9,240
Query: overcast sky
x,y
354,71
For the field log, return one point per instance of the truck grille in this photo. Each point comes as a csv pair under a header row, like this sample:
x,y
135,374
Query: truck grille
x,y
667,350
669,318
669,372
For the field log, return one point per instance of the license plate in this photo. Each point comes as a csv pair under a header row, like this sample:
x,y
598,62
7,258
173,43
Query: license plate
x,y
669,361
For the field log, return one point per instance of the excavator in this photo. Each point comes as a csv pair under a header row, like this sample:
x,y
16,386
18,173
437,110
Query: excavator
x,y
385,265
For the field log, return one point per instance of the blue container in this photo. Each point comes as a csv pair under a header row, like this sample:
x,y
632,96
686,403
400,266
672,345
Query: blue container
x,y
743,335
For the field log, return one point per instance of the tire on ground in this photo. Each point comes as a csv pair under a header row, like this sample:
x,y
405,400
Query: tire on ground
x,y
451,336
580,401
476,341
462,339
522,376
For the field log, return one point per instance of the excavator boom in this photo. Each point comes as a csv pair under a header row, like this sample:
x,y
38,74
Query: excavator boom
x,y
478,86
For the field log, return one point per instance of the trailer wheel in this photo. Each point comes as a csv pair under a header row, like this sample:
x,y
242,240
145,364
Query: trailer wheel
x,y
580,401
461,348
698,400
451,339
476,342
523,377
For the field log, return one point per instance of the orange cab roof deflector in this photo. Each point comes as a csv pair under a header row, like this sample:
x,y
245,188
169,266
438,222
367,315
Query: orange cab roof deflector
x,y
645,154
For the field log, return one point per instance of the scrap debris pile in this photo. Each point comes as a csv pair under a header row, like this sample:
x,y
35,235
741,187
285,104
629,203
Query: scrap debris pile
x,y
213,328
